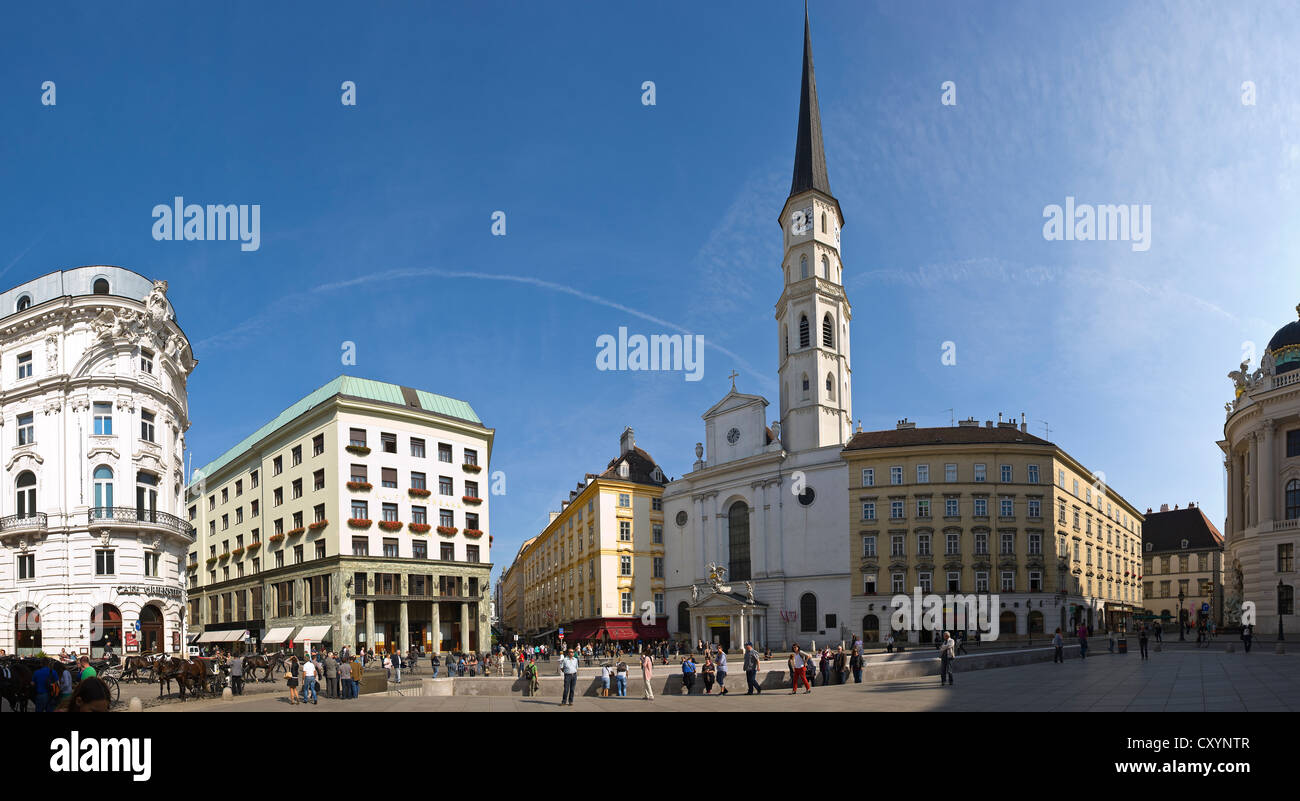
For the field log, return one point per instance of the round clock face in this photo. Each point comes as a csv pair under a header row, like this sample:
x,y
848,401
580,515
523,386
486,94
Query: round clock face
x,y
681,518
733,436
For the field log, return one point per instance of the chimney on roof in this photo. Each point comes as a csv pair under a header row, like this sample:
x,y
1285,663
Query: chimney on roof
x,y
1024,427
553,516
626,442
1164,507
902,424
988,423
999,418
1191,504
969,422
1148,510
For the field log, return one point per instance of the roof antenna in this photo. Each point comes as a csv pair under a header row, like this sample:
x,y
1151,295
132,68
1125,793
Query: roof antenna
x,y
952,416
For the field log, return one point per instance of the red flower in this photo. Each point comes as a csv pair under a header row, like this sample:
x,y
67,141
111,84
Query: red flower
x,y
420,493
471,499
473,468
419,528
473,532
318,525
276,537
358,522
360,486
448,530
293,532
390,525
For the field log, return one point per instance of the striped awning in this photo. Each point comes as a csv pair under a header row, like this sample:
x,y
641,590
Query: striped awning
x,y
278,635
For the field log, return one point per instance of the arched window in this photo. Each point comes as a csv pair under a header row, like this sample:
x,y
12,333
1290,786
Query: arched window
x,y
805,385
100,287
804,338
146,495
1007,622
1293,499
830,387
738,541
1036,622
870,628
105,629
826,268
808,612
151,629
785,340
803,266
103,488
828,331
683,618
823,222
24,302
27,631
26,486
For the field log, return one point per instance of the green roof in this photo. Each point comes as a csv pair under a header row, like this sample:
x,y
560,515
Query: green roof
x,y
343,385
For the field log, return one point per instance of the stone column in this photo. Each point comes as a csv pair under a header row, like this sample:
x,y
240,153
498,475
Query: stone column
x,y
758,531
437,629
1266,471
701,548
370,624
742,630
1252,495
404,636
464,627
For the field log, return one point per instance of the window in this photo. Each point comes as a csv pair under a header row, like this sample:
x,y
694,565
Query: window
x,y
390,547
103,414
1076,488
657,535
1293,499
104,563
923,545
388,442
953,540
279,558
360,510
103,486
896,583
146,426
1033,474
253,477
26,566
896,545
389,512
471,489
954,581
225,522
981,581
922,507
26,429
24,302
625,602
981,543
297,554
923,474
658,567
25,365
284,599
896,510
625,531
950,473
1006,507
471,457
320,549
277,465
444,452
318,480
419,515
828,327
1285,557
1036,543
1008,581
1006,473
447,553
1035,508
981,507
869,546
419,550
808,612
318,445
444,485
471,554
296,455
360,547
277,497
388,477
951,507
868,510
1008,543
980,473
357,437
446,518
624,500
254,508
1035,581
804,338
896,475
296,488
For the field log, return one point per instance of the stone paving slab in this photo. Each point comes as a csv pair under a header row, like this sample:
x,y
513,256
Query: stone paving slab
x,y
1193,681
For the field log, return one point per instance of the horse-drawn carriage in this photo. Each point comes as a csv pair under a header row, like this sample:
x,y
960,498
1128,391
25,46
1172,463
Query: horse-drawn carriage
x,y
18,688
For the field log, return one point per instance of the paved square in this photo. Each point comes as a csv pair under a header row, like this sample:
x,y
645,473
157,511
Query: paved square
x,y
1175,680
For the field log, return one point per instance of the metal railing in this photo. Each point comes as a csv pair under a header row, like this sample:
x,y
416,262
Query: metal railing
x,y
130,515
36,521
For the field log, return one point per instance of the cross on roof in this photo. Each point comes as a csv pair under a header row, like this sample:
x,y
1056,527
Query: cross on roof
x,y
733,376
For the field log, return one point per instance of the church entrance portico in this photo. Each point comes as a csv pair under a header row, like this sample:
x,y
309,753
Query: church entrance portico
x,y
728,620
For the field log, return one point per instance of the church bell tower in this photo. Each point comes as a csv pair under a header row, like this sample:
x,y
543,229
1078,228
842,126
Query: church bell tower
x,y
813,313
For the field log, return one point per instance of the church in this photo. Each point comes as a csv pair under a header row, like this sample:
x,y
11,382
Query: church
x,y
757,551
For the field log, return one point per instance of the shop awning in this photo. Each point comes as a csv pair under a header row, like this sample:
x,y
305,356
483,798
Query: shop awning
x,y
212,636
657,631
193,638
234,636
620,629
585,630
313,633
278,635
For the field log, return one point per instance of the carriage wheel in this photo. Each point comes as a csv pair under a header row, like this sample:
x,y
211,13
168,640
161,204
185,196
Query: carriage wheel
x,y
114,690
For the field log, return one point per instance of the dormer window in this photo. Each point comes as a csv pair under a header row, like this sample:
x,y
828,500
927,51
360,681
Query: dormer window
x,y
100,287
24,302
623,470
657,474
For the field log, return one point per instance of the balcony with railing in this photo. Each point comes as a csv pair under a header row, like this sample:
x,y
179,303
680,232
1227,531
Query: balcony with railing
x,y
17,524
132,517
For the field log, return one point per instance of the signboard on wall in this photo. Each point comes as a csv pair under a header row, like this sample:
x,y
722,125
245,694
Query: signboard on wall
x,y
176,640
130,639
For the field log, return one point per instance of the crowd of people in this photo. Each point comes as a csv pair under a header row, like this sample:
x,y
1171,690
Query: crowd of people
x,y
67,684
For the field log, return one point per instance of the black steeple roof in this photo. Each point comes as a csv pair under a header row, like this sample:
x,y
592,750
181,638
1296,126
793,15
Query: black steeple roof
x,y
809,157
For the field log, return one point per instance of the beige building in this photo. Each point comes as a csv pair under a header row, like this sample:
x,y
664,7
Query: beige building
x,y
598,566
511,588
988,510
1182,558
358,516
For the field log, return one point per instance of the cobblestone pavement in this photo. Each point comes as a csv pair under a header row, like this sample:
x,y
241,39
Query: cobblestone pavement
x,y
1192,680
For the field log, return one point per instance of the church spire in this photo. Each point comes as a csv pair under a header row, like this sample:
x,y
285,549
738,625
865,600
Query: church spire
x,y
809,157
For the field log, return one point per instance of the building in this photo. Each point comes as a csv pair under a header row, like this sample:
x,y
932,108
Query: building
x,y
1261,447
511,589
1182,558
994,510
762,505
94,409
356,517
598,566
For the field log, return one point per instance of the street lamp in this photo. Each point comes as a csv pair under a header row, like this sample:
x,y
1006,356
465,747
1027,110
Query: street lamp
x,y
1181,612
1280,586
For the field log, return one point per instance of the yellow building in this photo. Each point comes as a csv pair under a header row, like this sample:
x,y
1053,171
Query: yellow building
x,y
598,566
511,586
1183,557
988,510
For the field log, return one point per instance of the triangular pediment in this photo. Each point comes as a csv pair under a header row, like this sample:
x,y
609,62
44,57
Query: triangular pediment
x,y
735,400
730,600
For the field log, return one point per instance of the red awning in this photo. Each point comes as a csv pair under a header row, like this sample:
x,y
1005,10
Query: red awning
x,y
657,631
620,629
584,630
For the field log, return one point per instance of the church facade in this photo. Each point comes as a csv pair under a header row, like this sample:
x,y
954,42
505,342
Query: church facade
x,y
755,553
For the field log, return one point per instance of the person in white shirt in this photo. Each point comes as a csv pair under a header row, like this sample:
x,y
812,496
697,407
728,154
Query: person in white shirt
x,y
604,680
569,667
309,680
947,652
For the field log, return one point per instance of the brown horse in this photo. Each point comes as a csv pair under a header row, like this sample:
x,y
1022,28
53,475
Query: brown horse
x,y
189,674
16,685
133,665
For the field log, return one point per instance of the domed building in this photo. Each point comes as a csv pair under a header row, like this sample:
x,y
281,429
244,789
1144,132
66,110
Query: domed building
x,y
93,414
1261,446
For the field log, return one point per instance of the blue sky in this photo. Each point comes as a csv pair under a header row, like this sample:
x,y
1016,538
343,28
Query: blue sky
x,y
376,218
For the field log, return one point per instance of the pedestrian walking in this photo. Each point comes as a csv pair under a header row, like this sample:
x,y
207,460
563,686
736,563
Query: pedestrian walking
x,y
825,666
291,679
889,643
688,674
237,675
397,665
354,673
569,669
855,665
708,672
1082,633
961,642
751,670
309,680
1247,633
722,670
947,653
530,673
1058,645
620,678
331,666
1159,632
647,676
798,663
1142,642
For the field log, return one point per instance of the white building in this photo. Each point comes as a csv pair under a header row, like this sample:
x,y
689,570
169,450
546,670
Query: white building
x,y
768,503
93,410
1261,446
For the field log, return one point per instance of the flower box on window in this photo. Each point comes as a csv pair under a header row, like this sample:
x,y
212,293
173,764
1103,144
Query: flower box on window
x,y
471,499
225,555
447,530
254,544
359,450
293,532
238,552
276,537
360,486
358,522
390,525
420,493
473,532
419,528
471,468
211,559
318,525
